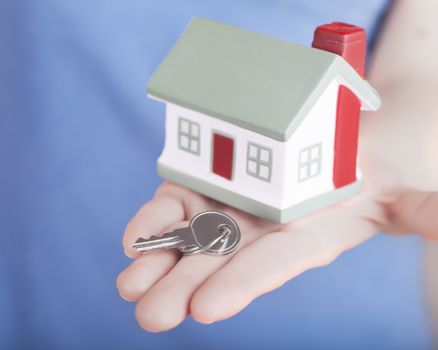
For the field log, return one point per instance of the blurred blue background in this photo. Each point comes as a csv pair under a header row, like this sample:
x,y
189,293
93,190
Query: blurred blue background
x,y
78,145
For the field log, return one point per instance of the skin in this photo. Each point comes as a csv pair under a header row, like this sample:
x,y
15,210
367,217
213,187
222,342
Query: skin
x,y
397,155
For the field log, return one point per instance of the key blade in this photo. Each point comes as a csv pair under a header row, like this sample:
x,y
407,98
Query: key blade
x,y
160,245
143,241
168,240
155,242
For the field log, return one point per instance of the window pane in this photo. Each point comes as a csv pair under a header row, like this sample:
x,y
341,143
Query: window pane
x,y
195,130
314,169
252,167
253,151
304,172
184,126
315,153
264,155
264,172
194,146
183,141
304,156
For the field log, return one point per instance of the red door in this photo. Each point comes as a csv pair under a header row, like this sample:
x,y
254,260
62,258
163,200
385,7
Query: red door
x,y
223,150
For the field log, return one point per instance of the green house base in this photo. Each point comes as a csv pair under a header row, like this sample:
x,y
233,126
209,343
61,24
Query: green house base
x,y
257,208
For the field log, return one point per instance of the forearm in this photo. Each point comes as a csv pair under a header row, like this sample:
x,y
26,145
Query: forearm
x,y
403,134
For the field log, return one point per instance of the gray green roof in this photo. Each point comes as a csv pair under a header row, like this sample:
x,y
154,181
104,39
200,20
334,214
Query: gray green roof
x,y
249,79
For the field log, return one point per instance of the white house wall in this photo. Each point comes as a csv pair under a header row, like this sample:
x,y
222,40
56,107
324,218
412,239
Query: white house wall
x,y
318,127
284,189
271,193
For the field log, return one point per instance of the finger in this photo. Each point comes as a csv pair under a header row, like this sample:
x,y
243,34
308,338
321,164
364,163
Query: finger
x,y
166,304
165,209
416,211
144,272
147,269
272,260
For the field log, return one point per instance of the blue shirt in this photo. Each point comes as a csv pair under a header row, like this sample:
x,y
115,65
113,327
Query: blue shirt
x,y
79,141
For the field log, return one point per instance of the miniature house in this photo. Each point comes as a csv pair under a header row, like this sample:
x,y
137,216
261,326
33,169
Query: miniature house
x,y
260,124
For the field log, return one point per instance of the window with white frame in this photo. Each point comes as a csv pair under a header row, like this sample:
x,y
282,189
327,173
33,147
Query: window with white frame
x,y
259,161
189,136
309,162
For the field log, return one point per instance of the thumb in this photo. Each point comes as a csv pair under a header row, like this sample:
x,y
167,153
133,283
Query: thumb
x,y
416,211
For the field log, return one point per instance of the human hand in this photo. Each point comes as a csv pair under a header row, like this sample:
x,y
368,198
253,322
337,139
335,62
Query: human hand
x,y
168,287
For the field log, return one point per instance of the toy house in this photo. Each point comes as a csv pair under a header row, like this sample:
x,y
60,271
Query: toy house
x,y
261,124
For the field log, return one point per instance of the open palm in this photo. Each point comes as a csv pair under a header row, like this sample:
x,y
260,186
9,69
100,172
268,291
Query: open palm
x,y
168,287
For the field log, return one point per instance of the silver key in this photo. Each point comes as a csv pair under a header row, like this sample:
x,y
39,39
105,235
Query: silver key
x,y
211,232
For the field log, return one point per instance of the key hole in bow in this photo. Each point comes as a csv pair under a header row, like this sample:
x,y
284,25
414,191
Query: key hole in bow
x,y
225,230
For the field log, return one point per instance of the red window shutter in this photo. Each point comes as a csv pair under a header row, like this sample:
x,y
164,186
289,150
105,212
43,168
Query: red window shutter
x,y
346,136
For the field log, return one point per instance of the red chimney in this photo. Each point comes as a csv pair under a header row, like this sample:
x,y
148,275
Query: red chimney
x,y
348,41
343,39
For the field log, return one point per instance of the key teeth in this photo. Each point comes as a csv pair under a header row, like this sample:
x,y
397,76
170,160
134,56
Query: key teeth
x,y
142,244
140,240
144,240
